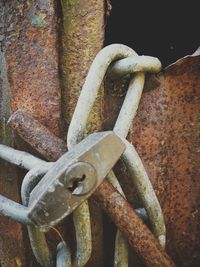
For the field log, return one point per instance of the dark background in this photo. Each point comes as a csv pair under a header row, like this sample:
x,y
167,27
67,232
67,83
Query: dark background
x,y
165,29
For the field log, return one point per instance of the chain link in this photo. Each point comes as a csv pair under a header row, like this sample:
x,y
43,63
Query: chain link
x,y
78,124
126,61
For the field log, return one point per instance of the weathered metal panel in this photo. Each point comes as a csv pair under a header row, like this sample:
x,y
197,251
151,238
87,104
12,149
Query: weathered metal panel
x,y
29,43
166,135
32,59
11,239
82,38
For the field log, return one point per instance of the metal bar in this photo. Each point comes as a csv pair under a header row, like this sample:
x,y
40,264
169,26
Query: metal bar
x,y
89,91
131,157
19,158
121,243
85,104
134,64
125,218
82,37
123,222
13,210
26,126
145,190
37,238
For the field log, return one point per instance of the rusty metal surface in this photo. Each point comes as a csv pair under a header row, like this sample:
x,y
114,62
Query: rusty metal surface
x,y
82,37
138,235
166,135
121,212
26,128
28,39
32,60
11,239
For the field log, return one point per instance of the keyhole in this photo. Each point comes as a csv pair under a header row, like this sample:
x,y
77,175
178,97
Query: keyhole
x,y
75,182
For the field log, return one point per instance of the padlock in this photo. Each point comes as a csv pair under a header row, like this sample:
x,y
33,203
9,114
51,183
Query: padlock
x,y
73,178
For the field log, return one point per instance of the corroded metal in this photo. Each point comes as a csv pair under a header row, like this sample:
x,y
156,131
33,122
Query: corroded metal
x,y
11,238
138,235
84,106
165,134
82,37
169,113
32,60
26,125
132,234
28,39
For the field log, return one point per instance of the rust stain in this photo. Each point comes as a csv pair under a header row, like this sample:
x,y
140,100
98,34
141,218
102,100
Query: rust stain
x,y
166,134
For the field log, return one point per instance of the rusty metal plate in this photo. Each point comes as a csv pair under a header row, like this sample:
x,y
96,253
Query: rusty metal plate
x,y
166,134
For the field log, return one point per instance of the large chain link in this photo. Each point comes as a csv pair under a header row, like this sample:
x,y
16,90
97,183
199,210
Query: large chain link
x,y
128,62
77,129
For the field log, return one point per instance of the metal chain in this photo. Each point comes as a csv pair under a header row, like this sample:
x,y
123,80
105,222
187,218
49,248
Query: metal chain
x,y
78,125
37,169
128,62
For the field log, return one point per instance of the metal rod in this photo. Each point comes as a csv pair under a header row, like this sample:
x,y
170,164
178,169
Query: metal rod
x,y
26,127
19,158
146,192
13,210
37,238
121,243
134,64
83,108
130,105
91,87
137,233
122,221
85,104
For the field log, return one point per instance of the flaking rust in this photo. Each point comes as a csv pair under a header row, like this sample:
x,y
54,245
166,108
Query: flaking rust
x,y
26,125
32,60
138,235
28,40
166,135
82,38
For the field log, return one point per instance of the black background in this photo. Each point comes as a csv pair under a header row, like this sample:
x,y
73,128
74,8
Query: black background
x,y
165,29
